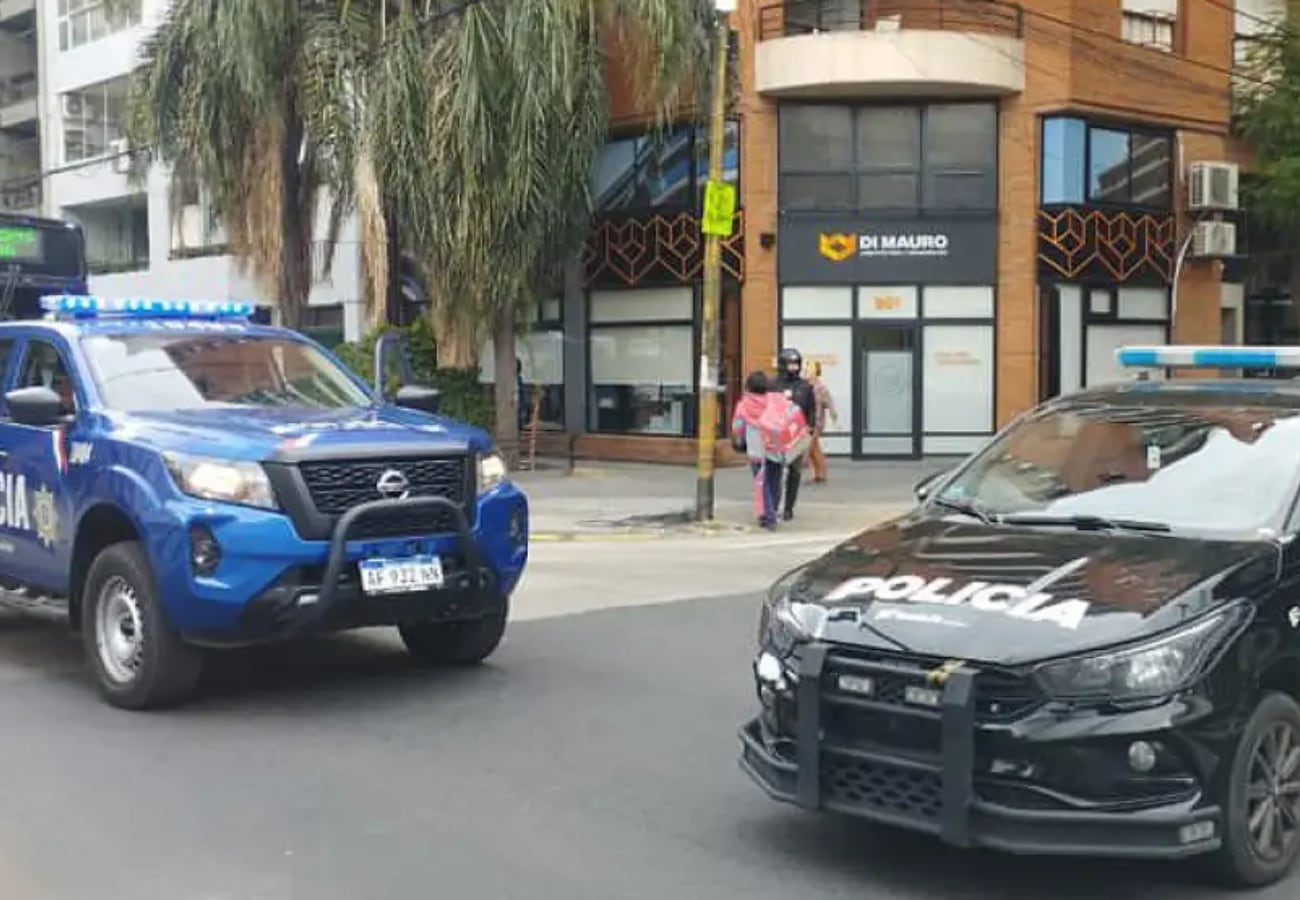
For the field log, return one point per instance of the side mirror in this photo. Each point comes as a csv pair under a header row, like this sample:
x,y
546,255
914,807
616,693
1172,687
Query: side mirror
x,y
391,362
418,397
923,487
36,406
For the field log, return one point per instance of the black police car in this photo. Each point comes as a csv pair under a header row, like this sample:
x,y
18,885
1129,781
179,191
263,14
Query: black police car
x,y
1084,640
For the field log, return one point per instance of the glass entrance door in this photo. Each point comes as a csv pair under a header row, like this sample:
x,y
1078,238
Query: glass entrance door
x,y
887,405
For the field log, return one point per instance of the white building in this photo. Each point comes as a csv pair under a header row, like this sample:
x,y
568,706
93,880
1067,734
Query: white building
x,y
20,149
132,243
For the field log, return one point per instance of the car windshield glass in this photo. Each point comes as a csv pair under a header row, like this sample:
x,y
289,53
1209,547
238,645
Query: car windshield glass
x,y
1213,469
140,372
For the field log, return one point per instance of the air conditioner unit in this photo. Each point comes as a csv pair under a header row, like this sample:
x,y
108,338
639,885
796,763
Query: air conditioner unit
x,y
1214,240
72,106
1212,185
120,151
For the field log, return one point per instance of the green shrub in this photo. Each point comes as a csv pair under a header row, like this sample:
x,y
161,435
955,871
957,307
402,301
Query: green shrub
x,y
464,398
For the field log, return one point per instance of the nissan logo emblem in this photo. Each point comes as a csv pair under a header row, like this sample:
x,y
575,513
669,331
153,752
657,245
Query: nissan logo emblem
x,y
393,485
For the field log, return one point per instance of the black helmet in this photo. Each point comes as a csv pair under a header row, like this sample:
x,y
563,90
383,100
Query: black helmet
x,y
789,358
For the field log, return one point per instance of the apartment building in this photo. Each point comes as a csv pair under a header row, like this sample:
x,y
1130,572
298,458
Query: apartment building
x,y
135,244
20,139
957,207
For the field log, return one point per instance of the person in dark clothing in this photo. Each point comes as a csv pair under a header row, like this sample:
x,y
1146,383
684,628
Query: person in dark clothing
x,y
790,381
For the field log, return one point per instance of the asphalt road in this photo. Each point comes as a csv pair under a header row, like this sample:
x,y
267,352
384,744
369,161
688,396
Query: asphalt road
x,y
593,758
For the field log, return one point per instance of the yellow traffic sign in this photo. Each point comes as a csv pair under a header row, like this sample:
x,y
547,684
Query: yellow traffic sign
x,y
719,209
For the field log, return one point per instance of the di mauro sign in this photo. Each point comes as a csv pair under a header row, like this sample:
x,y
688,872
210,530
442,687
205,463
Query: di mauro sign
x,y
922,251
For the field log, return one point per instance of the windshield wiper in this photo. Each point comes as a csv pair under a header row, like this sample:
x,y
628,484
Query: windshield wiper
x,y
969,508
1087,523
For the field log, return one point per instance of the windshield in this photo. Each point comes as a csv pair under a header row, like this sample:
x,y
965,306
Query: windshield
x,y
1213,469
157,372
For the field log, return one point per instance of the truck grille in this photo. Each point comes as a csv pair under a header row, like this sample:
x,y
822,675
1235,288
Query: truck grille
x,y
885,718
337,486
892,790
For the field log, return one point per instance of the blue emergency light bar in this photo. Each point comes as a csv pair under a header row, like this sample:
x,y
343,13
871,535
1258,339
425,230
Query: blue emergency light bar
x,y
83,307
1208,357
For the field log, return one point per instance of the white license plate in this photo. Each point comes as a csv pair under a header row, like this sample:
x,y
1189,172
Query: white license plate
x,y
401,576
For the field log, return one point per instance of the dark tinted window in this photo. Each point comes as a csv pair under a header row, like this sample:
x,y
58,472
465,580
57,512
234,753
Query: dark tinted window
x,y
1214,468
1104,165
904,157
660,169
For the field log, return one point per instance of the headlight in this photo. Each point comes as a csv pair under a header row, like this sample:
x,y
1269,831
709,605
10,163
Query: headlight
x,y
228,480
1144,671
785,622
491,471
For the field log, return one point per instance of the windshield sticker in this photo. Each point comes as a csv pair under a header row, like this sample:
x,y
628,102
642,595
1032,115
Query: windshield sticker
x,y
1153,457
1005,599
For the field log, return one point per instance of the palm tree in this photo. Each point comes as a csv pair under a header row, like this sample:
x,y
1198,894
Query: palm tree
x,y
463,133
253,101
486,155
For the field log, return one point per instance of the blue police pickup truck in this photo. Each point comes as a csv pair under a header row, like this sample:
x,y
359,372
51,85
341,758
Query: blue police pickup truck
x,y
186,480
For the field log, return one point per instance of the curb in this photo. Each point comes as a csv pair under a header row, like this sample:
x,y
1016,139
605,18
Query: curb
x,y
694,530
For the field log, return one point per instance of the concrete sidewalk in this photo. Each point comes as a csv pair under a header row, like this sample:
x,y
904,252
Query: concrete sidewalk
x,y
636,501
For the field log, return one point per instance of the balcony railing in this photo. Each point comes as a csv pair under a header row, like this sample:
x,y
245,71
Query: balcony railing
x,y
790,18
21,194
17,89
118,265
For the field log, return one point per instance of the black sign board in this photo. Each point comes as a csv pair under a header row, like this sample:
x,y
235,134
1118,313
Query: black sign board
x,y
855,251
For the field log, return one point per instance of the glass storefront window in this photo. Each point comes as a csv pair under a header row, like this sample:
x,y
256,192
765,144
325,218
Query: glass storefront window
x,y
957,379
641,349
540,356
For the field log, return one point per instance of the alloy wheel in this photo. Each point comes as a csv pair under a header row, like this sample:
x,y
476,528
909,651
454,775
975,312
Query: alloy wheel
x,y
1273,793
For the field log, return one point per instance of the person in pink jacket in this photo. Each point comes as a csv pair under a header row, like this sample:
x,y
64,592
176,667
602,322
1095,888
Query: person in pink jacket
x,y
772,433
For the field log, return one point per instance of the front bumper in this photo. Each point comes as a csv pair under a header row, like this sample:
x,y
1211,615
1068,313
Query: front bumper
x,y
272,584
949,792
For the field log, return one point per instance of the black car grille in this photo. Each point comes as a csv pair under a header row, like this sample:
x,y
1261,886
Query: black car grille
x,y
886,719
893,790
336,486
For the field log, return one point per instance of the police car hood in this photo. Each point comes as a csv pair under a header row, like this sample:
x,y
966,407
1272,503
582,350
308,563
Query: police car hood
x,y
258,434
1007,595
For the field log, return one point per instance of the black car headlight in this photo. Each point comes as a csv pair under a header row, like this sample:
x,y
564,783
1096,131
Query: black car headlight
x,y
1147,670
784,621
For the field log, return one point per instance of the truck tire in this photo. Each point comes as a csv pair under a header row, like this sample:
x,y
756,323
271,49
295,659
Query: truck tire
x,y
454,643
1260,797
137,660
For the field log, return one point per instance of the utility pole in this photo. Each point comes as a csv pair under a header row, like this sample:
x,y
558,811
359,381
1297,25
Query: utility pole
x,y
716,223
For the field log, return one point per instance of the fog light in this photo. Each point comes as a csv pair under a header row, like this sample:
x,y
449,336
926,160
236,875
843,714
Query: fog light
x,y
1141,756
919,696
205,552
1199,831
769,671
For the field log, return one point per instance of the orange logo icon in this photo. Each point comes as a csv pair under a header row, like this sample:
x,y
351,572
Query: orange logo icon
x,y
837,247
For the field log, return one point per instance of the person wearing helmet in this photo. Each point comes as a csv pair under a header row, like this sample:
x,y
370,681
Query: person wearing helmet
x,y
790,381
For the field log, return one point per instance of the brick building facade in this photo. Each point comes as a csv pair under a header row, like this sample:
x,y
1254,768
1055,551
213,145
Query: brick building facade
x,y
958,207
